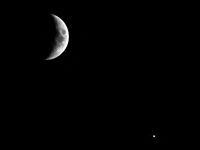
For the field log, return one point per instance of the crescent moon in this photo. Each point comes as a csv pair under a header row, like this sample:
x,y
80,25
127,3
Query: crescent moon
x,y
61,41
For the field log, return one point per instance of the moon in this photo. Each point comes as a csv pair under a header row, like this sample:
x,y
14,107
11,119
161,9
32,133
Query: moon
x,y
61,40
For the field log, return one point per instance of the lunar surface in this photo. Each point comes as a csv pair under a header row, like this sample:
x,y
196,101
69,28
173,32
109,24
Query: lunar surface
x,y
61,40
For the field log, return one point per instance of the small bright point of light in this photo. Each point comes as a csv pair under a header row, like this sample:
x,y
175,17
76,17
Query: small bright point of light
x,y
154,136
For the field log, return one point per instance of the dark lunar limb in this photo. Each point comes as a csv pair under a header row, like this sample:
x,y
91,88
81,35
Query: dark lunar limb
x,y
46,34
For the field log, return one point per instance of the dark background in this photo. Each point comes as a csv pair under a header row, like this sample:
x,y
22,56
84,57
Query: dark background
x,y
127,74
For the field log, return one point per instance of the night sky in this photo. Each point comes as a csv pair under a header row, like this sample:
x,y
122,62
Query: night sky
x,y
125,77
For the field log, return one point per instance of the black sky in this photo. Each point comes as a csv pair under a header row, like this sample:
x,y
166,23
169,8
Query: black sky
x,y
125,73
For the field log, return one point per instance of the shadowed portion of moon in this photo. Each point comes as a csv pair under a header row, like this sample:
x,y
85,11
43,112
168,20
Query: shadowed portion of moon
x,y
41,39
37,38
60,42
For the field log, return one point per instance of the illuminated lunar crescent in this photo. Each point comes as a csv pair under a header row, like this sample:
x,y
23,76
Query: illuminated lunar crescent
x,y
61,40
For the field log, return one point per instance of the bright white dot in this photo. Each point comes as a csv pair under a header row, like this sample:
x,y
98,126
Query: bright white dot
x,y
154,136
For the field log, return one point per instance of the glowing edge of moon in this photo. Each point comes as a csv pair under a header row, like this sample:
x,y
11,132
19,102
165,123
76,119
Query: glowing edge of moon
x,y
63,46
